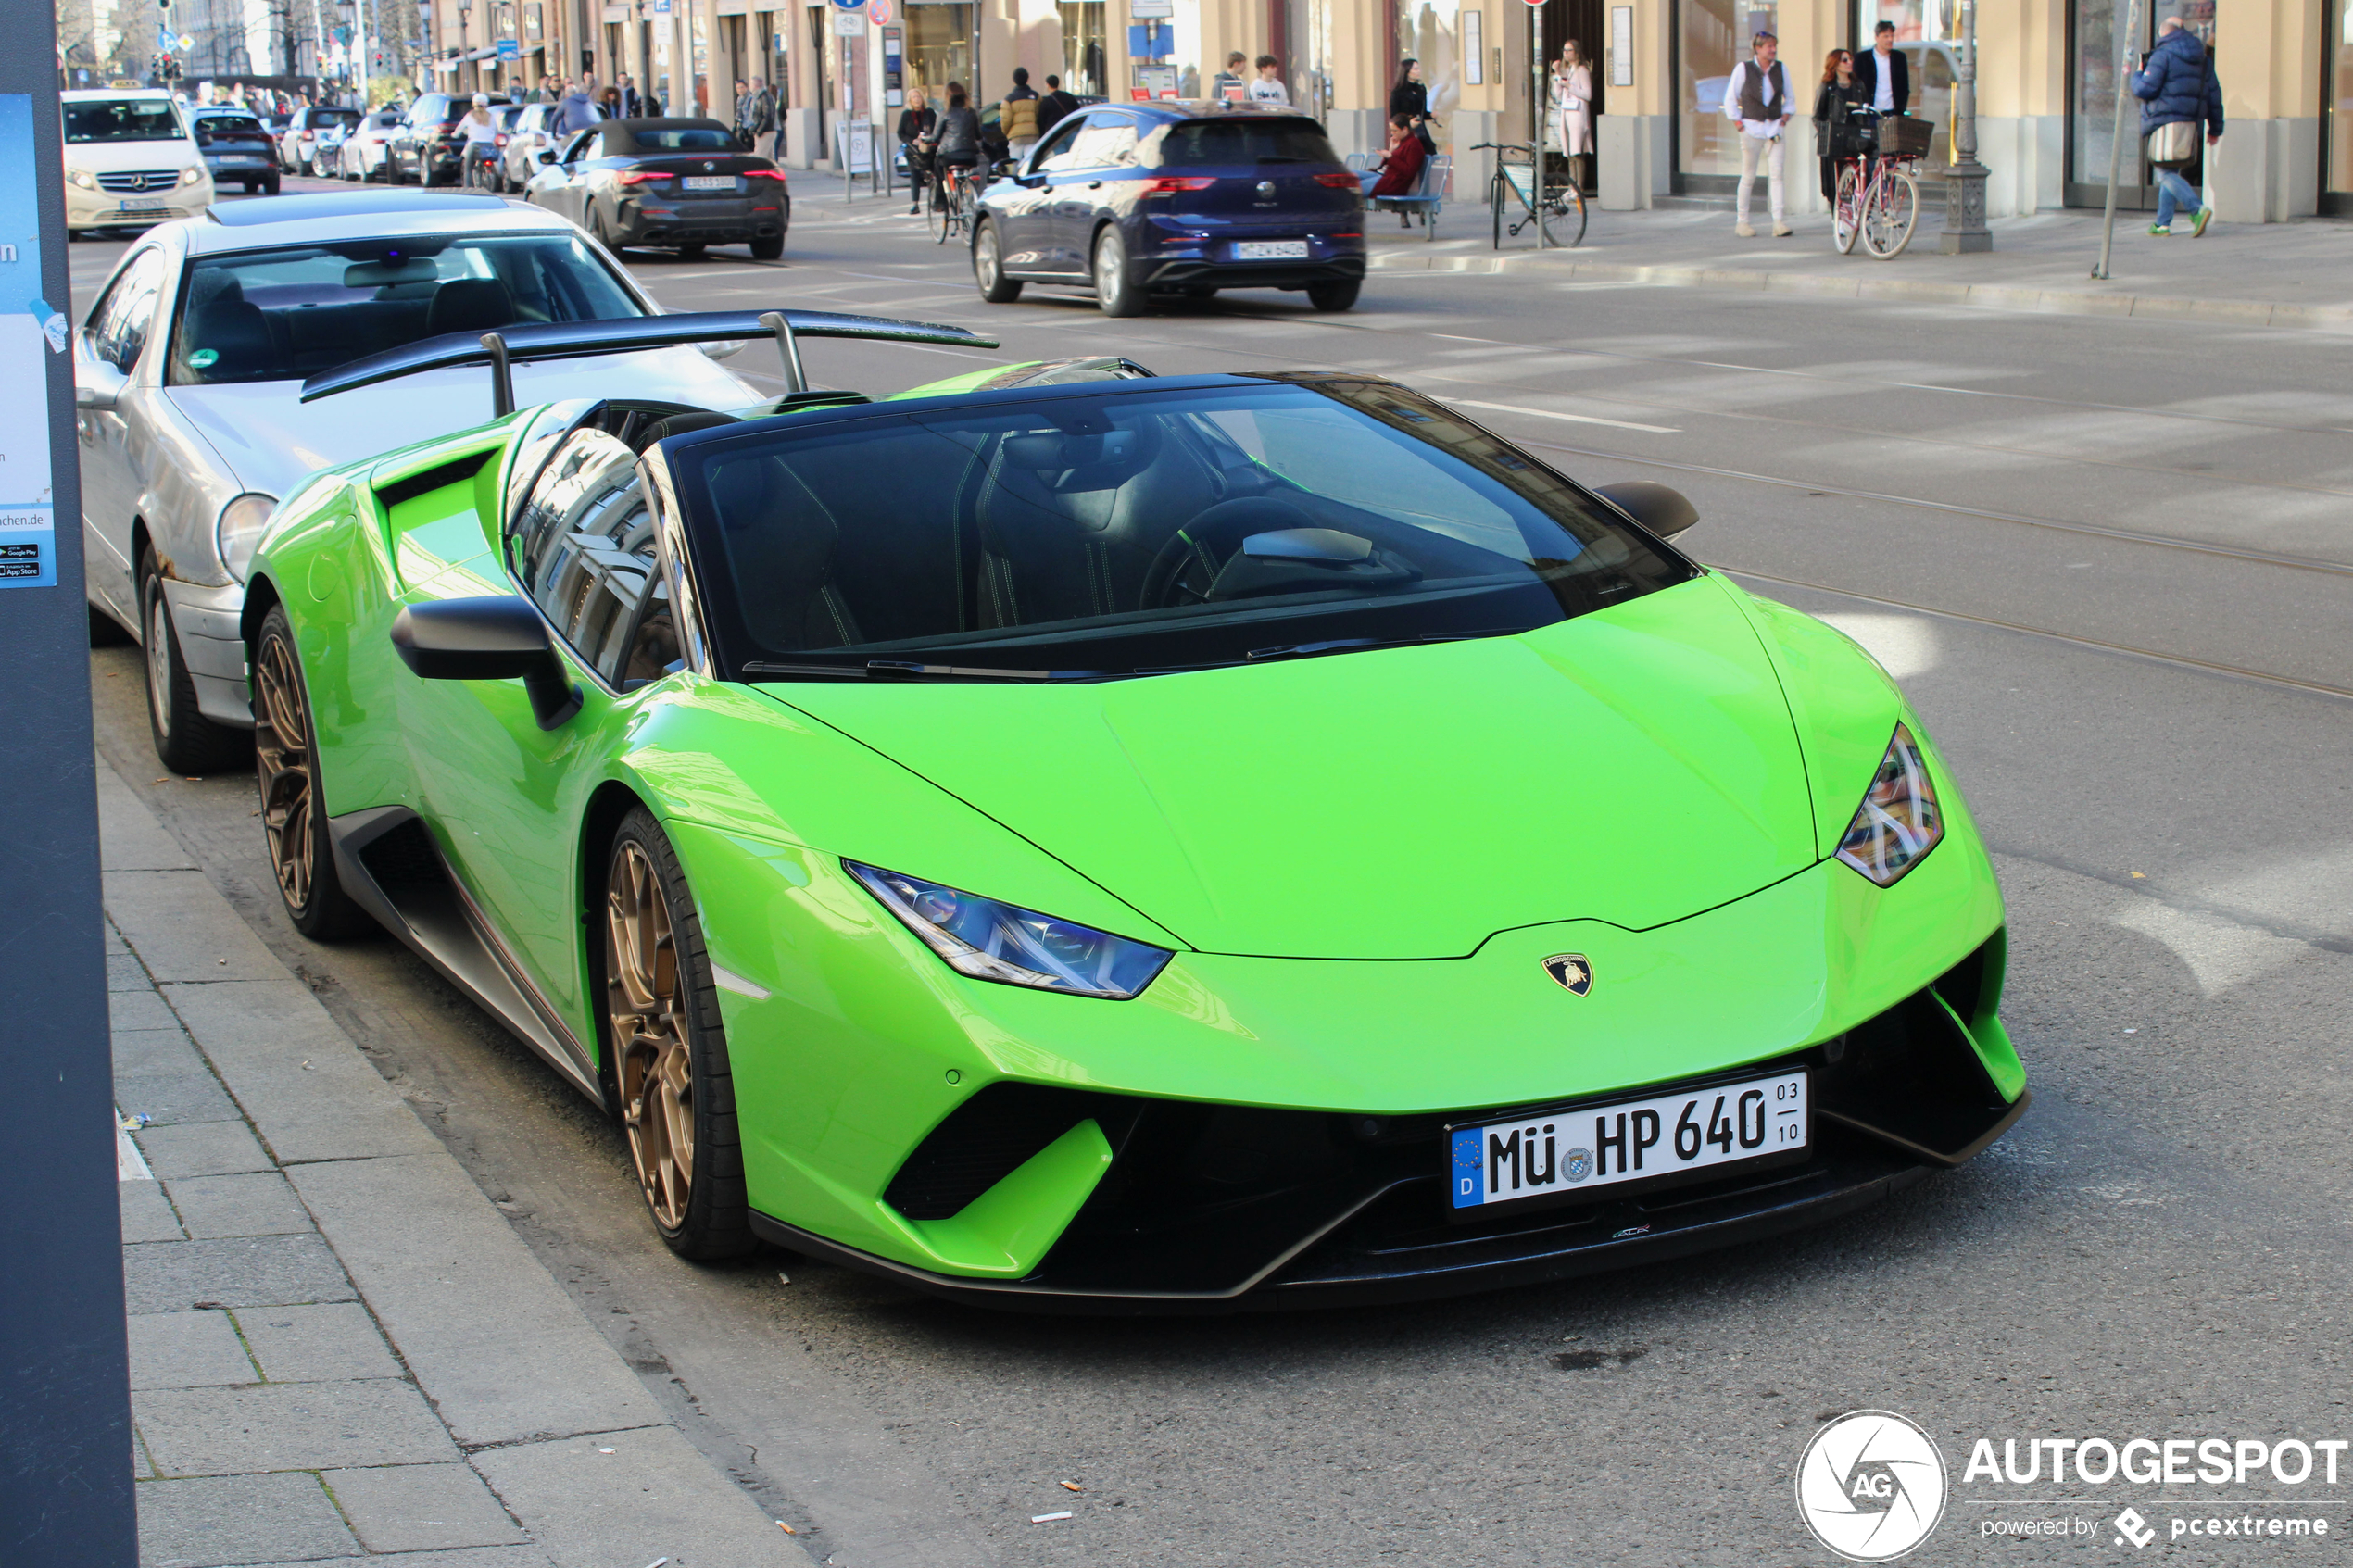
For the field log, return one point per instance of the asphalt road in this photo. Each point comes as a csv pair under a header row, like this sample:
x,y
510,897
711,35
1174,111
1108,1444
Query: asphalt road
x,y
2108,558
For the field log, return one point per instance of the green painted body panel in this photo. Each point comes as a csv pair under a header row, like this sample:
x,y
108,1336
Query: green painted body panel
x,y
1632,766
1359,860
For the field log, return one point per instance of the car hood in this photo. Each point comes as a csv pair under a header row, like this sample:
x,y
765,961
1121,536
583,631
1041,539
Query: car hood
x,y
1635,766
272,440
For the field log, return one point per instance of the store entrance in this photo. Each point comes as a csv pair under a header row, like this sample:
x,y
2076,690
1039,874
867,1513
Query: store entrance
x,y
2093,41
1584,22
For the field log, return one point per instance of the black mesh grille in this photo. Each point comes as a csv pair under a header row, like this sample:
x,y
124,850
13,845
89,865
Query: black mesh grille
x,y
404,860
980,1142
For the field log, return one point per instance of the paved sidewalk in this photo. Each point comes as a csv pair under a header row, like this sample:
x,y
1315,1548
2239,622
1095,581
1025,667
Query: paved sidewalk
x,y
339,1349
2296,275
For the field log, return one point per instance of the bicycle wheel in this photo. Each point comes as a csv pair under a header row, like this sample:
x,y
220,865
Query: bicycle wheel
x,y
1889,212
1846,211
935,214
967,206
1572,218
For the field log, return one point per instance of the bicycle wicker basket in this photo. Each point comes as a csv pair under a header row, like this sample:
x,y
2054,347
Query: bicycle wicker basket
x,y
1902,136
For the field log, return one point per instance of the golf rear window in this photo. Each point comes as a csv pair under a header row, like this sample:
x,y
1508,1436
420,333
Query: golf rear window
x,y
1247,139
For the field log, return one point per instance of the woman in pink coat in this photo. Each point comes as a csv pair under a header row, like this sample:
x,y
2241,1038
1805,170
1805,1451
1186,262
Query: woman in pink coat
x,y
1573,109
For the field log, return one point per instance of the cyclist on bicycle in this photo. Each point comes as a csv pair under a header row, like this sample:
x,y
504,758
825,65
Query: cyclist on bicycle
x,y
480,129
1835,105
958,141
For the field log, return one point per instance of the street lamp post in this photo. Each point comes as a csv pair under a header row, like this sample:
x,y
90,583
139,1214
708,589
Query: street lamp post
x,y
1965,227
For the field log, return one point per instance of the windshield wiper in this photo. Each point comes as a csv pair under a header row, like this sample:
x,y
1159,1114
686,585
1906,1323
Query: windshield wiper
x,y
903,670
1358,645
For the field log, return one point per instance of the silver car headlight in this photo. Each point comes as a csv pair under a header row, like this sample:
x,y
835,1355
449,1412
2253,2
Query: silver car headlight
x,y
240,528
83,178
1898,821
989,940
190,175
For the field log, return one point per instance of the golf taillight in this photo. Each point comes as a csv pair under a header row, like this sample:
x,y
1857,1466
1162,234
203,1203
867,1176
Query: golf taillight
x,y
1169,184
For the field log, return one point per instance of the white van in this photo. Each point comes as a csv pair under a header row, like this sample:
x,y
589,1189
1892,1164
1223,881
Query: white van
x,y
130,160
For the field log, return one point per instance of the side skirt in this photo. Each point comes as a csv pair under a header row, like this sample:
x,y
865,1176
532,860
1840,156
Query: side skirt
x,y
393,869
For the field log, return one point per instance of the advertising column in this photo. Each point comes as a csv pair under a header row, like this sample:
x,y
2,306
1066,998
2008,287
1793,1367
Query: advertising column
x,y
65,1403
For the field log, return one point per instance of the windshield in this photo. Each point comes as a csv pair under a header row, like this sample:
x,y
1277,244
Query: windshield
x,y
322,118
123,119
215,124
1190,143
281,315
1133,532
685,139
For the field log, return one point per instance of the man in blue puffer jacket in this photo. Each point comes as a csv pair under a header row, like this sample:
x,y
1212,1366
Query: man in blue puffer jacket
x,y
2177,84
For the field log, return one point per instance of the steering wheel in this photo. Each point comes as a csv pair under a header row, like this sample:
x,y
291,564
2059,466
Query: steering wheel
x,y
1184,571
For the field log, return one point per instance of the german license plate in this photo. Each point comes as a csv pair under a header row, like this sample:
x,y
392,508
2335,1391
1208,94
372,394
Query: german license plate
x,y
709,182
1633,1140
1270,250
152,204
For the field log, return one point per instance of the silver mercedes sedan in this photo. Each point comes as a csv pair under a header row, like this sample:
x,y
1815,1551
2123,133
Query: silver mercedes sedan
x,y
187,379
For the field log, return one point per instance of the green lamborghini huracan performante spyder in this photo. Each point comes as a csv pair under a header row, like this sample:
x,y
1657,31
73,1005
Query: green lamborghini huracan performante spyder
x,y
1071,839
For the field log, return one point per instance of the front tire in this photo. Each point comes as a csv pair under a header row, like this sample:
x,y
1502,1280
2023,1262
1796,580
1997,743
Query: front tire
x,y
1339,295
1890,212
294,818
186,741
989,267
1116,293
668,1050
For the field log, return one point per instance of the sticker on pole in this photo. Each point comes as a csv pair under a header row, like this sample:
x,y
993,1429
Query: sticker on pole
x,y
31,330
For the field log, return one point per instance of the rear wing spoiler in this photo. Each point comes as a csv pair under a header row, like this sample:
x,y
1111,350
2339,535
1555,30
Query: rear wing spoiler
x,y
562,340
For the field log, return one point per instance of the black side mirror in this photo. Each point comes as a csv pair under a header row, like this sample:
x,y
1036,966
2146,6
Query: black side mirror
x,y
497,638
1665,512
548,155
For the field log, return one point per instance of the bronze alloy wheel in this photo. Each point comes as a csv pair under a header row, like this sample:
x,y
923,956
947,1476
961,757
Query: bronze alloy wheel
x,y
281,766
668,1049
285,766
653,1062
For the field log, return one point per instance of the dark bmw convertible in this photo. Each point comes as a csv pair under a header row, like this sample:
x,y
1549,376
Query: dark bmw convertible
x,y
681,184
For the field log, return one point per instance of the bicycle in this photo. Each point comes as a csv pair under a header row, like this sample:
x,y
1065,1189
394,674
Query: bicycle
x,y
1878,198
955,199
1517,177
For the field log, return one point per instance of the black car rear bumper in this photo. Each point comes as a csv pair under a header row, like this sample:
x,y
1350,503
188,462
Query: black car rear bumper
x,y
702,223
1222,1209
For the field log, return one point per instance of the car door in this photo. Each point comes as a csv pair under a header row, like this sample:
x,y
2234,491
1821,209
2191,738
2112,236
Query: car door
x,y
116,335
1103,155
558,187
507,795
1026,208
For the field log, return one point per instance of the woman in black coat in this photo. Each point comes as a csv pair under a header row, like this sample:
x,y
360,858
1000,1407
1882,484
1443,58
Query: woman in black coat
x,y
917,124
1410,98
1833,102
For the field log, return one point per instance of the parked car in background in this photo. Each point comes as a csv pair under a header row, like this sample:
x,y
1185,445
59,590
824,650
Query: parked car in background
x,y
680,184
238,150
526,139
1137,199
188,377
129,159
302,148
424,146
364,154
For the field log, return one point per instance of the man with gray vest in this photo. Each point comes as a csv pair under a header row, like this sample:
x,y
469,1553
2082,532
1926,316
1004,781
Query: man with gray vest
x,y
1758,96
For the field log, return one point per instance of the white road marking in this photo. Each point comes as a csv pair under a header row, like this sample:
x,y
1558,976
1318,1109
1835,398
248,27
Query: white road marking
x,y
1552,414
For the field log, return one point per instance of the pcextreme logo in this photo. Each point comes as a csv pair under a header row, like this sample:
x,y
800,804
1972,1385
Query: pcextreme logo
x,y
1872,1486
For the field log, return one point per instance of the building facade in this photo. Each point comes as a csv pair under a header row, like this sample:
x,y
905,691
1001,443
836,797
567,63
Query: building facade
x,y
2046,74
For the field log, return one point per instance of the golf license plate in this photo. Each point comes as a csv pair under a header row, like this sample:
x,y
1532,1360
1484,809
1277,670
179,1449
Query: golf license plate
x,y
709,182
1600,1146
1270,250
152,204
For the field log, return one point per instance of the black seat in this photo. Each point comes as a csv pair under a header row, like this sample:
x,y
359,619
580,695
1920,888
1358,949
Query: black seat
x,y
781,541
470,305
679,424
234,331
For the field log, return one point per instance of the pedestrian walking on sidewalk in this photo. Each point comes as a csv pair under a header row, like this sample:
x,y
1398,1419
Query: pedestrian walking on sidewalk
x,y
579,109
762,117
1232,84
1410,98
1758,96
1018,116
1056,106
2178,94
1268,87
918,128
1572,94
1834,103
1885,74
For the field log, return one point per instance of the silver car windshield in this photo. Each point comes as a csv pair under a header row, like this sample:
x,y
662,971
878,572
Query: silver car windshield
x,y
282,315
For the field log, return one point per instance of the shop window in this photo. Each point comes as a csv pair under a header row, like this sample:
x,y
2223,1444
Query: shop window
x,y
1711,37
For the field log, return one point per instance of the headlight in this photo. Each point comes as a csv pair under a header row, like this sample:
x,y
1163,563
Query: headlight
x,y
1898,821
992,941
239,531
83,178
190,175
